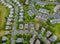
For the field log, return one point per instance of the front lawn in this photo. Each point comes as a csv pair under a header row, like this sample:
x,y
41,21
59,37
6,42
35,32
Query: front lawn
x,y
56,28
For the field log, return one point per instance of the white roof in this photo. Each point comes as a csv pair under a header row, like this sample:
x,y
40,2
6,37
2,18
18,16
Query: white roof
x,y
19,40
9,23
9,6
21,13
43,10
32,26
17,3
30,13
39,35
56,8
53,38
4,38
21,26
26,25
48,33
26,2
7,32
55,21
42,30
7,27
10,19
37,42
10,15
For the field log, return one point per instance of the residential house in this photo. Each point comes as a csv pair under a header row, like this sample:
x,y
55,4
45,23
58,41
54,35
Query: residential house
x,y
26,25
4,38
48,33
37,41
19,40
7,27
30,13
20,26
53,38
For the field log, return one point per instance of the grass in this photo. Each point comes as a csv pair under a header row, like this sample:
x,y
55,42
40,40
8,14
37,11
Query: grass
x,y
2,33
56,28
50,7
4,12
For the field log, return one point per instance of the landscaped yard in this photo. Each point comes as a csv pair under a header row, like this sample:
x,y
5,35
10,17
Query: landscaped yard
x,y
4,12
56,28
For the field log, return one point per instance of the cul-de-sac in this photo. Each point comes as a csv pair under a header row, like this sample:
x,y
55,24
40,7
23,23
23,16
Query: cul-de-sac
x,y
29,21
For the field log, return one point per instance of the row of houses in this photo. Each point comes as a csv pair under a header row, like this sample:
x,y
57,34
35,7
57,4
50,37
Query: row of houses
x,y
21,26
55,21
43,11
21,11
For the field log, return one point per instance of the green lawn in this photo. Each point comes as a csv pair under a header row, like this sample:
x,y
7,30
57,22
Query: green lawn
x,y
4,12
56,28
50,7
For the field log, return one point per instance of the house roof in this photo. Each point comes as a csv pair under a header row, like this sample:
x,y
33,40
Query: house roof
x,y
19,40
37,42
21,26
4,38
53,38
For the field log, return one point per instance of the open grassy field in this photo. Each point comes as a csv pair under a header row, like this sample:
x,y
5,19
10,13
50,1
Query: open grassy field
x,y
4,12
56,28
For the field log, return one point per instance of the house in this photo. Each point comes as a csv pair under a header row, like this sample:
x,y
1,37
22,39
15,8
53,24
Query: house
x,y
42,30
26,2
26,31
7,27
37,41
30,13
10,15
7,32
19,40
53,38
52,0
48,33
21,10
10,19
20,18
21,7
57,7
40,3
34,34
43,11
4,38
58,43
39,35
37,26
31,40
44,39
15,0
32,26
26,25
17,3
55,21
21,13
20,26
9,6
8,23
